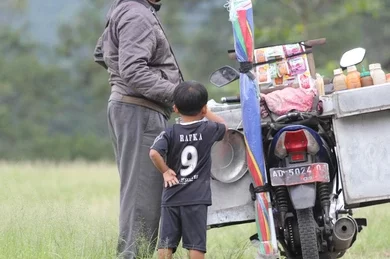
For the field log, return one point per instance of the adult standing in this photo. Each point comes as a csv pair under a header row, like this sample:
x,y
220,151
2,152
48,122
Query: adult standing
x,y
143,74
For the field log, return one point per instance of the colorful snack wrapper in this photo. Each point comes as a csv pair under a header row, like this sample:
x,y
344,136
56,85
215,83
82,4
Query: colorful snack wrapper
x,y
297,65
292,49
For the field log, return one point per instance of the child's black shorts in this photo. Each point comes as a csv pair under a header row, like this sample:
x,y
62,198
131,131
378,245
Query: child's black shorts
x,y
188,222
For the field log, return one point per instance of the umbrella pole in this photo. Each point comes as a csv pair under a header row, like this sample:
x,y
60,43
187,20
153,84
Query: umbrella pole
x,y
254,146
241,16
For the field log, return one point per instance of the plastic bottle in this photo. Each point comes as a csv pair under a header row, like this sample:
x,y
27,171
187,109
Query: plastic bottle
x,y
388,77
339,80
365,78
320,85
353,78
377,74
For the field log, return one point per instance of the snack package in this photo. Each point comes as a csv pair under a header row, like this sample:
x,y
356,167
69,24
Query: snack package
x,y
307,83
304,81
262,72
260,55
278,81
297,65
263,75
292,49
274,53
282,68
273,70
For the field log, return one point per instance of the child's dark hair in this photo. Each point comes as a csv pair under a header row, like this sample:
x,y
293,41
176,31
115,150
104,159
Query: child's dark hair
x,y
190,97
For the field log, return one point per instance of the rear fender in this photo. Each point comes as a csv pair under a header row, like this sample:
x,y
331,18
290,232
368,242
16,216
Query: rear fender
x,y
302,196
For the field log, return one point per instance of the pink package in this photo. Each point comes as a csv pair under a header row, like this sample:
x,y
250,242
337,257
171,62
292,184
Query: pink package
x,y
292,49
296,65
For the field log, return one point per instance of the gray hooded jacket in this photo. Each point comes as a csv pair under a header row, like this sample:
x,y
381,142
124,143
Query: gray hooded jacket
x,y
137,54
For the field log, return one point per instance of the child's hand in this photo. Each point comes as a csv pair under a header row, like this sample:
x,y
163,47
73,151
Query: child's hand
x,y
170,178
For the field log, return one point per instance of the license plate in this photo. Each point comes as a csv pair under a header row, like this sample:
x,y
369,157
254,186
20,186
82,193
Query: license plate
x,y
312,173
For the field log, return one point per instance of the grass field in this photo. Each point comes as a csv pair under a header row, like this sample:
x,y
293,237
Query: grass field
x,y
70,211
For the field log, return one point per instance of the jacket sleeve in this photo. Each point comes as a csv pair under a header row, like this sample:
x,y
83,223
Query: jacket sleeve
x,y
137,42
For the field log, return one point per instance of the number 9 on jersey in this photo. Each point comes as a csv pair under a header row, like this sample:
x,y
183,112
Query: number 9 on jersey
x,y
189,159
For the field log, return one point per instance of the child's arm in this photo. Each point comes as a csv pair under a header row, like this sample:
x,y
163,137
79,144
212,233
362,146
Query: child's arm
x,y
158,161
214,117
168,174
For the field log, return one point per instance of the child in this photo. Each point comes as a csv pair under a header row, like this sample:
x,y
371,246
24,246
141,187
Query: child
x,y
186,174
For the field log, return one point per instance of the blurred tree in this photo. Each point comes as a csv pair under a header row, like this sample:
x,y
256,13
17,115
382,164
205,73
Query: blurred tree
x,y
376,35
47,109
13,6
90,89
11,11
28,95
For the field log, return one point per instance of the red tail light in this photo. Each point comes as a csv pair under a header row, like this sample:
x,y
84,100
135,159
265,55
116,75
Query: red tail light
x,y
295,141
296,145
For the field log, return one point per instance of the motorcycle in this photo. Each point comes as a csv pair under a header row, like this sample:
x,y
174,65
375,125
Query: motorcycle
x,y
300,157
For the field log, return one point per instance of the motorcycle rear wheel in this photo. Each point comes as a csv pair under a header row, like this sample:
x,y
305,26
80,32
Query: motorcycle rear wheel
x,y
307,234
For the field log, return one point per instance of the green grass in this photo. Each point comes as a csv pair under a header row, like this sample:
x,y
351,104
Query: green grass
x,y
70,211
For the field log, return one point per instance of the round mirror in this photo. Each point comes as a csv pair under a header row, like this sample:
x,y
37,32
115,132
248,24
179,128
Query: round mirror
x,y
223,76
352,57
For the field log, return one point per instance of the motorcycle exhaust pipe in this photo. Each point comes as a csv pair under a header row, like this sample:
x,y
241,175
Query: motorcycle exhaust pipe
x,y
344,231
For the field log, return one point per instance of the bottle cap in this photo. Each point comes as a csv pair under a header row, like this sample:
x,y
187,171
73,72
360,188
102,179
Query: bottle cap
x,y
364,73
375,66
351,69
337,71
